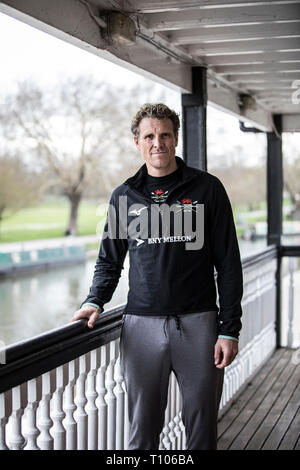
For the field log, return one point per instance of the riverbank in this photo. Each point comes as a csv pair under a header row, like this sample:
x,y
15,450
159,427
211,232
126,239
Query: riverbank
x,y
35,254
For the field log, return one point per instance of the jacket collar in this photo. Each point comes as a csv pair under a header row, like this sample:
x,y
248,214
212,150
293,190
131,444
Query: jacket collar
x,y
137,180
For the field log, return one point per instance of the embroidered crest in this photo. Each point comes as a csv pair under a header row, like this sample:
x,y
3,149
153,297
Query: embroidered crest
x,y
159,195
187,205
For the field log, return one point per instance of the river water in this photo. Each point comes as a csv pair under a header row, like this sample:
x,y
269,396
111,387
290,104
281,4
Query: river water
x,y
43,300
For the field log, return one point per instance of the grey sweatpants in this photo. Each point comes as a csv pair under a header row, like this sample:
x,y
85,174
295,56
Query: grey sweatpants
x,y
150,348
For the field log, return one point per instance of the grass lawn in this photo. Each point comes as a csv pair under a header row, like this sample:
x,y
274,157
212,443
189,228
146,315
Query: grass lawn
x,y
49,220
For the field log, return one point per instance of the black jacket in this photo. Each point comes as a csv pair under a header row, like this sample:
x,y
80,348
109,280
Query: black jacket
x,y
166,278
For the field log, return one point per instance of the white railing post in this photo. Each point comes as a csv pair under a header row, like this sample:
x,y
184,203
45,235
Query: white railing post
x,y
165,432
32,431
290,335
3,421
45,440
58,414
173,411
80,400
69,422
177,429
100,401
17,440
120,412
111,398
91,408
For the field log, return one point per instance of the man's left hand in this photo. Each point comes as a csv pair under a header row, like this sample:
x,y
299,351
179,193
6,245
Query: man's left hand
x,y
225,352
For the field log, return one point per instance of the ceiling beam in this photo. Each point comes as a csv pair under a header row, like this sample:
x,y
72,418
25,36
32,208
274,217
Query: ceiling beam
x,y
235,33
167,21
241,78
258,68
144,6
265,57
231,47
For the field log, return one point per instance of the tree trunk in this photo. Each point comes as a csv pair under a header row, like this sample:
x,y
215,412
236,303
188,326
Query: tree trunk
x,y
72,228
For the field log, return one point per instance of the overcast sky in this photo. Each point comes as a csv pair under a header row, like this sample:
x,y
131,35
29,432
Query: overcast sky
x,y
30,53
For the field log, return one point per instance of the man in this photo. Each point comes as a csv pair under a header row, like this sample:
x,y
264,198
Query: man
x,y
171,320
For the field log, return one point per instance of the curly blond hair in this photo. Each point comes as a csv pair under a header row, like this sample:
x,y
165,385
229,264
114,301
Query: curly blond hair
x,y
156,111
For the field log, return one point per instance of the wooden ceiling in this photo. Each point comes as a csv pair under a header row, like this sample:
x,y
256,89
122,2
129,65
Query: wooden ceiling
x,y
248,47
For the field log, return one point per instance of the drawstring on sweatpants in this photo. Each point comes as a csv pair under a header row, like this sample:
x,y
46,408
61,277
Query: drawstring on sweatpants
x,y
177,320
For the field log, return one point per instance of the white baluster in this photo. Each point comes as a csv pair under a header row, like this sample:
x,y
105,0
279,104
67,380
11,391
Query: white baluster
x,y
182,432
80,400
126,423
32,431
45,440
177,429
172,411
16,440
166,439
69,422
58,414
100,401
226,387
3,421
111,398
120,415
91,408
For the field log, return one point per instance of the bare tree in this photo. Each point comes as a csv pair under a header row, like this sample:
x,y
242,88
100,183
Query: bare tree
x,y
79,133
69,129
19,187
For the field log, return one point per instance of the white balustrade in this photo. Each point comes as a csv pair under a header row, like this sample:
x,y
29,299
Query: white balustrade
x,y
83,404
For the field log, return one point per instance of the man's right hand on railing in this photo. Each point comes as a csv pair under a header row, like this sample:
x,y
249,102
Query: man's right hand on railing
x,y
89,312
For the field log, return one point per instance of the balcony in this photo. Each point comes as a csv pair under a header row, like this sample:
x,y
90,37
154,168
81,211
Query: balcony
x,y
65,390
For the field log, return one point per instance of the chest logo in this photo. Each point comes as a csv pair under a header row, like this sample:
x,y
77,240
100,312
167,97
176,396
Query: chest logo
x,y
187,205
159,195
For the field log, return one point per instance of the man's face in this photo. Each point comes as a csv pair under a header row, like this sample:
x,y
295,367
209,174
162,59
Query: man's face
x,y
157,144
